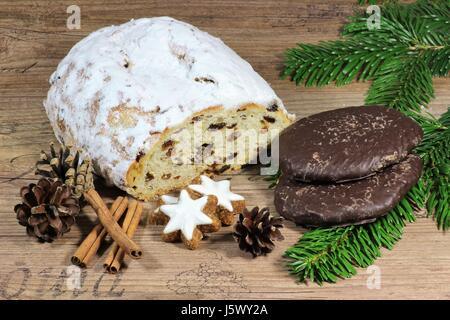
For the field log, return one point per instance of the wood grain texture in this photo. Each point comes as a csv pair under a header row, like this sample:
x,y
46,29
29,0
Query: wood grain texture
x,y
34,38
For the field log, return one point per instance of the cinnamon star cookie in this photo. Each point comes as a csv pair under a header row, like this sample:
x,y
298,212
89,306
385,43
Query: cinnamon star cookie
x,y
229,203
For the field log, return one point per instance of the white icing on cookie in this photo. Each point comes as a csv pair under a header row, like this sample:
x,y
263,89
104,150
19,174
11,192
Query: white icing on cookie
x,y
185,215
220,189
118,89
166,199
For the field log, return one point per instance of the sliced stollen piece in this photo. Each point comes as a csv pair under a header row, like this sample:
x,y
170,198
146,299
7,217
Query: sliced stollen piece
x,y
152,101
355,202
347,144
185,218
229,203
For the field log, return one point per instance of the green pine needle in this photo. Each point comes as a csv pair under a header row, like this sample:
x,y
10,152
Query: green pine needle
x,y
273,179
423,27
329,254
400,59
402,90
363,2
435,152
418,30
340,61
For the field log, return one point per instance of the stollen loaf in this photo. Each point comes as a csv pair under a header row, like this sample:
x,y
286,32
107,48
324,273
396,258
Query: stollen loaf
x,y
155,102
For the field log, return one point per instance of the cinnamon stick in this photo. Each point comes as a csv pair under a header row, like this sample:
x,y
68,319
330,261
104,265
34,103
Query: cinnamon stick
x,y
84,247
110,257
111,226
117,213
117,262
126,223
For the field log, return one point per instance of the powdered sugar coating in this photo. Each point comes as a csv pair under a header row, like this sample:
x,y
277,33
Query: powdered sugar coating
x,y
185,215
121,86
220,189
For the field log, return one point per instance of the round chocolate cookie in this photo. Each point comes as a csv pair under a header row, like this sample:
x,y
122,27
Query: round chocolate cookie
x,y
347,144
355,202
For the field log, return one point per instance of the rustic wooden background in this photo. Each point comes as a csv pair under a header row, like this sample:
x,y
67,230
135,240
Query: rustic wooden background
x,y
34,38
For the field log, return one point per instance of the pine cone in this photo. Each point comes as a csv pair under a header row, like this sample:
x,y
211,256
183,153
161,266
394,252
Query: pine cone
x,y
67,168
256,230
48,209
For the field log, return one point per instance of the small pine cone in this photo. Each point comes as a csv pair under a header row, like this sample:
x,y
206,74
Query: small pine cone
x,y
48,209
65,165
256,230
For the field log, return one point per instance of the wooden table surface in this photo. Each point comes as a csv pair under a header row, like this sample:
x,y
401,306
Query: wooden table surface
x,y
34,38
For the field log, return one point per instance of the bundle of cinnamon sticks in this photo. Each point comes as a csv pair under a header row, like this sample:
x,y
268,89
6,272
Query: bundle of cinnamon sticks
x,y
123,244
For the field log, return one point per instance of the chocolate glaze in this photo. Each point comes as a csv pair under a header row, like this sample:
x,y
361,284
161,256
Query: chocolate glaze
x,y
323,205
347,144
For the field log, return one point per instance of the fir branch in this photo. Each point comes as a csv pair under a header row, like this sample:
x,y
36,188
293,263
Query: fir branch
x,y
273,179
422,27
429,7
329,254
435,154
363,2
340,61
402,90
401,58
419,30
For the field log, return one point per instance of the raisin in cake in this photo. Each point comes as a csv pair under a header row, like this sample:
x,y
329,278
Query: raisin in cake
x,y
137,97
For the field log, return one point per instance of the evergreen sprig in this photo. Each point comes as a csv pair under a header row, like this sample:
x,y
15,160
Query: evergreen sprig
x,y
418,30
402,90
435,152
327,254
273,179
411,46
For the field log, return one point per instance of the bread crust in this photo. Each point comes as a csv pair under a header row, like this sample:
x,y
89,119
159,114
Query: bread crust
x,y
120,91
